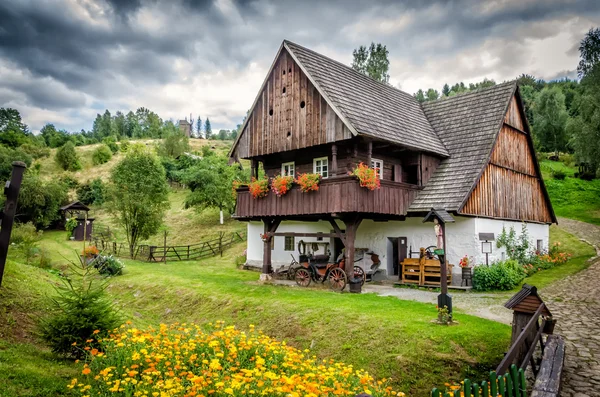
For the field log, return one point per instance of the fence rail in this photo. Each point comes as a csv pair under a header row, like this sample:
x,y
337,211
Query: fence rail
x,y
152,253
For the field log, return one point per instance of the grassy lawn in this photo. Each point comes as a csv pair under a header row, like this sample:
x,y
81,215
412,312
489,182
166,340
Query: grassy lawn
x,y
579,250
387,336
572,197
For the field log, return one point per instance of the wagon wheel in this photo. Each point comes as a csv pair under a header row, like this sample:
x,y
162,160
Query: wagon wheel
x,y
429,251
302,277
337,279
360,273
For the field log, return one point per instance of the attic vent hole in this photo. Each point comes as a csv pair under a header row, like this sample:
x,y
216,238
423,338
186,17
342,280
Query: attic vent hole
x,y
284,90
290,70
302,104
284,72
289,134
270,112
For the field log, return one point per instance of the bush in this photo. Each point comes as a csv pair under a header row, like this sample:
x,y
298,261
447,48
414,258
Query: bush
x,y
40,201
35,151
92,192
111,142
123,146
109,265
501,276
67,157
7,156
101,155
45,261
80,312
26,237
69,181
559,174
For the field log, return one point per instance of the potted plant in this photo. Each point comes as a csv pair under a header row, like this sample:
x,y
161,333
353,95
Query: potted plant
x,y
259,187
367,177
308,182
280,185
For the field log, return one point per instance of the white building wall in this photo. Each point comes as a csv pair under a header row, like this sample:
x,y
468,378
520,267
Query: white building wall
x,y
462,238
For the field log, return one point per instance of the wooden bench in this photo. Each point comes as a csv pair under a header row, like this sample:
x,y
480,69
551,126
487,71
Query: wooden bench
x,y
548,379
411,271
424,273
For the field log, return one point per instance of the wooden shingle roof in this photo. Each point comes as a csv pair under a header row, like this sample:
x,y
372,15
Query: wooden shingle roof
x,y
467,124
372,108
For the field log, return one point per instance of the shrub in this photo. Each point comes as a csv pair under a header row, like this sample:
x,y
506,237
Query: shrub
x,y
35,151
69,181
189,360
45,260
123,146
517,248
502,276
40,201
67,157
109,265
111,142
559,174
101,155
80,312
92,192
26,237
7,156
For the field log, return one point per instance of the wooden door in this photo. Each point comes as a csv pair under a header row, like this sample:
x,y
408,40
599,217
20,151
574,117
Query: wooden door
x,y
402,250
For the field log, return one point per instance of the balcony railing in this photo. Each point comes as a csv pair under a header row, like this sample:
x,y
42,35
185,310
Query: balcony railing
x,y
336,195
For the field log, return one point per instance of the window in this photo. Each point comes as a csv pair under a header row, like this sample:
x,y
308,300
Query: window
x,y
289,243
321,166
287,169
540,245
378,164
272,243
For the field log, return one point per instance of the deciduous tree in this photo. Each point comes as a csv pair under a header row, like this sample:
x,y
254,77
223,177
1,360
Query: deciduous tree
x,y
373,62
139,194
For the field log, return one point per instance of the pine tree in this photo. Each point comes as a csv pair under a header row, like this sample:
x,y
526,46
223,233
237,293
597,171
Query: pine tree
x,y
207,129
199,128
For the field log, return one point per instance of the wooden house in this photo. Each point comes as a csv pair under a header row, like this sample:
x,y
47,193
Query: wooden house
x,y
471,155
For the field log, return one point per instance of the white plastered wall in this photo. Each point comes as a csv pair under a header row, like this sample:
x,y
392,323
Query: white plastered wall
x,y
462,238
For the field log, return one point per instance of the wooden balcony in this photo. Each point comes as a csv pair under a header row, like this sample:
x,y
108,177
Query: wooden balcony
x,y
336,195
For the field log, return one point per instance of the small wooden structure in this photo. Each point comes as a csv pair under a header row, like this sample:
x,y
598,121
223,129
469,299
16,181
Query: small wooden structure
x,y
85,225
424,272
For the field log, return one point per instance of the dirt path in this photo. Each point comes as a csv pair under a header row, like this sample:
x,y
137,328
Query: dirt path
x,y
575,303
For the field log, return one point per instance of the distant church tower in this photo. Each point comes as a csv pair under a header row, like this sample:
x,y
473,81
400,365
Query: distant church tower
x,y
185,127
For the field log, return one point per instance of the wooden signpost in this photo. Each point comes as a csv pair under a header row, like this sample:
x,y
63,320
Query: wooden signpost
x,y
11,191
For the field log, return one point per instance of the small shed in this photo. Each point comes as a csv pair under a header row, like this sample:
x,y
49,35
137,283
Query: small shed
x,y
85,224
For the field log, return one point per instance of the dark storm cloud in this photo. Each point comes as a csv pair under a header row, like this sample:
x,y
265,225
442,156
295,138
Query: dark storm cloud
x,y
104,49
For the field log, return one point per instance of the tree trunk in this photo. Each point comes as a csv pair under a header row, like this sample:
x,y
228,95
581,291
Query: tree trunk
x,y
221,216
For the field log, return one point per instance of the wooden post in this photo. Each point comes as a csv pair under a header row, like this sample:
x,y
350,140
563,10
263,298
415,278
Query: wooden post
x,y
270,226
350,236
165,247
443,266
369,153
252,168
334,166
11,190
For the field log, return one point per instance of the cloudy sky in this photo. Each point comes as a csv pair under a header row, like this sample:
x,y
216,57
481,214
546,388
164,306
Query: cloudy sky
x,y
63,61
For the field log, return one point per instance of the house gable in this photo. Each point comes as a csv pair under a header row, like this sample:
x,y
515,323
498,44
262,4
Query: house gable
x,y
289,113
511,186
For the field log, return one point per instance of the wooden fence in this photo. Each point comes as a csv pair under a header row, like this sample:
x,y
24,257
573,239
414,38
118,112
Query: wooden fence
x,y
152,253
509,378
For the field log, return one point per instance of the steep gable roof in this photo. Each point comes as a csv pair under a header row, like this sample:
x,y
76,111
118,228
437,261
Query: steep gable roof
x,y
372,108
468,125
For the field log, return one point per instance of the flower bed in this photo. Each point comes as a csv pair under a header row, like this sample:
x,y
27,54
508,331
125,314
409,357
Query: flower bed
x,y
186,360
